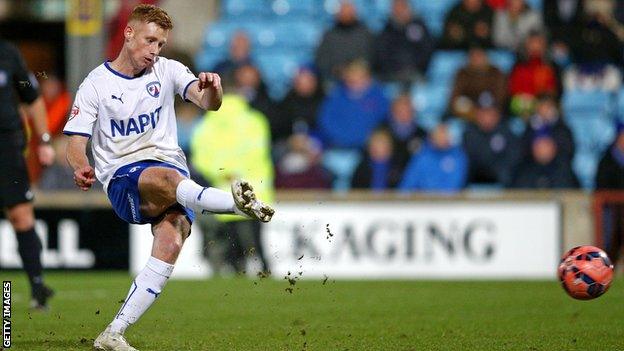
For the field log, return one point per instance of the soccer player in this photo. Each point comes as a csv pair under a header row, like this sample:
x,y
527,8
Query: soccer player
x,y
126,107
17,84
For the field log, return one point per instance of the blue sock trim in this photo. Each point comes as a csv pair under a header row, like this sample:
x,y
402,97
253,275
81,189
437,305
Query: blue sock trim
x,y
127,299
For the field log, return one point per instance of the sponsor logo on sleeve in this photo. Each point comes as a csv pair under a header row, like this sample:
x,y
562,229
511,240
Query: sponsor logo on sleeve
x,y
74,112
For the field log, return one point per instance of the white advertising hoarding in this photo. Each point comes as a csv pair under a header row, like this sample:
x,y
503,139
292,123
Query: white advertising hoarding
x,y
384,240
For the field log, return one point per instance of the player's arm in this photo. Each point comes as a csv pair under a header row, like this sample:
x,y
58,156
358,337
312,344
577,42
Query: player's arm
x,y
84,175
206,92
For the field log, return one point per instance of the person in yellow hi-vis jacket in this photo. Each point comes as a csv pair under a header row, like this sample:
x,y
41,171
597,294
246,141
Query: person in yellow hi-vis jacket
x,y
233,143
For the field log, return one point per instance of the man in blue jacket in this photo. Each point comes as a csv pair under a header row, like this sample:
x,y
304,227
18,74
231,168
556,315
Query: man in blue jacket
x,y
352,110
440,166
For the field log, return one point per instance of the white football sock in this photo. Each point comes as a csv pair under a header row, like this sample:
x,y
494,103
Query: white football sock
x,y
143,292
199,199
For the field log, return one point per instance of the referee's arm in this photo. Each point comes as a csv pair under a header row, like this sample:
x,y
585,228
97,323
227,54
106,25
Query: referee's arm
x,y
26,86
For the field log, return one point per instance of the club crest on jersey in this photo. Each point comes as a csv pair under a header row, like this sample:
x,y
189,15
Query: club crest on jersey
x,y
153,89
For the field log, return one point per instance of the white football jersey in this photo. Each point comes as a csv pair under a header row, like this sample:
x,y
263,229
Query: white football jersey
x,y
130,118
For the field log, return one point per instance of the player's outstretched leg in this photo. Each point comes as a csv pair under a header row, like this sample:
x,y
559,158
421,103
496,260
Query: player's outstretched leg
x,y
162,187
29,247
169,236
242,201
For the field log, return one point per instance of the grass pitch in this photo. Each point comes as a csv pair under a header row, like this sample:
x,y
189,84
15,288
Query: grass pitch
x,y
242,314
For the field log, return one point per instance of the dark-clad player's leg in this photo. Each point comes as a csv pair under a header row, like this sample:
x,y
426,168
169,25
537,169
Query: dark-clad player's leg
x,y
22,218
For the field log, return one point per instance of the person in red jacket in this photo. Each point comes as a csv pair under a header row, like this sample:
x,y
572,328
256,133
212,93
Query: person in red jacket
x,y
532,76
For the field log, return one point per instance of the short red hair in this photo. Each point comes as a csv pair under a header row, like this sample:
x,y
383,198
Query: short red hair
x,y
150,13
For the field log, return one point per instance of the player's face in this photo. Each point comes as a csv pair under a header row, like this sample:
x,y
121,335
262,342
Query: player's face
x,y
144,42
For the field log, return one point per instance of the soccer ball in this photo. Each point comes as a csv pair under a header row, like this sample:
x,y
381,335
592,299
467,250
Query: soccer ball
x,y
585,272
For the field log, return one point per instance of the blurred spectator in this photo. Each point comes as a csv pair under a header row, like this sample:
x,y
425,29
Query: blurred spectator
x,y
300,166
347,41
563,18
352,110
239,55
57,100
404,46
297,112
187,118
545,169
234,143
379,169
547,117
531,76
606,77
477,77
610,176
439,166
597,43
249,84
497,4
491,146
60,175
407,136
470,21
610,173
513,24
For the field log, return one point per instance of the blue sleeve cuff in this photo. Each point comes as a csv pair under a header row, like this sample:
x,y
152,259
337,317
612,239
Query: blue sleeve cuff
x,y
186,88
67,132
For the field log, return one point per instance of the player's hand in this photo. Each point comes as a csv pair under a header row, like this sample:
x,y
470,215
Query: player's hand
x,y
45,153
209,80
84,177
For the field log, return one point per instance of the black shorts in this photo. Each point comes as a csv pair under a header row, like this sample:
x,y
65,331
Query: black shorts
x,y
14,182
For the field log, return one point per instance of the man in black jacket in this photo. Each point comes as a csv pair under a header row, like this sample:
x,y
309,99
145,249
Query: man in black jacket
x,y
349,40
17,84
470,21
545,168
404,46
491,146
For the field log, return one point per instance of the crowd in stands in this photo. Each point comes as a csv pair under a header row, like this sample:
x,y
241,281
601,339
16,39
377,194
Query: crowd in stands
x,y
350,118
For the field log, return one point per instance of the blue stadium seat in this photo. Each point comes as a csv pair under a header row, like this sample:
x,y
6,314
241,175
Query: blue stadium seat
x,y
206,59
620,102
299,8
218,34
433,12
244,8
535,4
278,70
585,165
502,59
456,128
444,65
587,102
591,132
342,164
430,101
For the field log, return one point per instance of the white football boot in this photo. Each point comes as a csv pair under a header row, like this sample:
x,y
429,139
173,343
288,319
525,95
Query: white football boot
x,y
246,202
111,341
